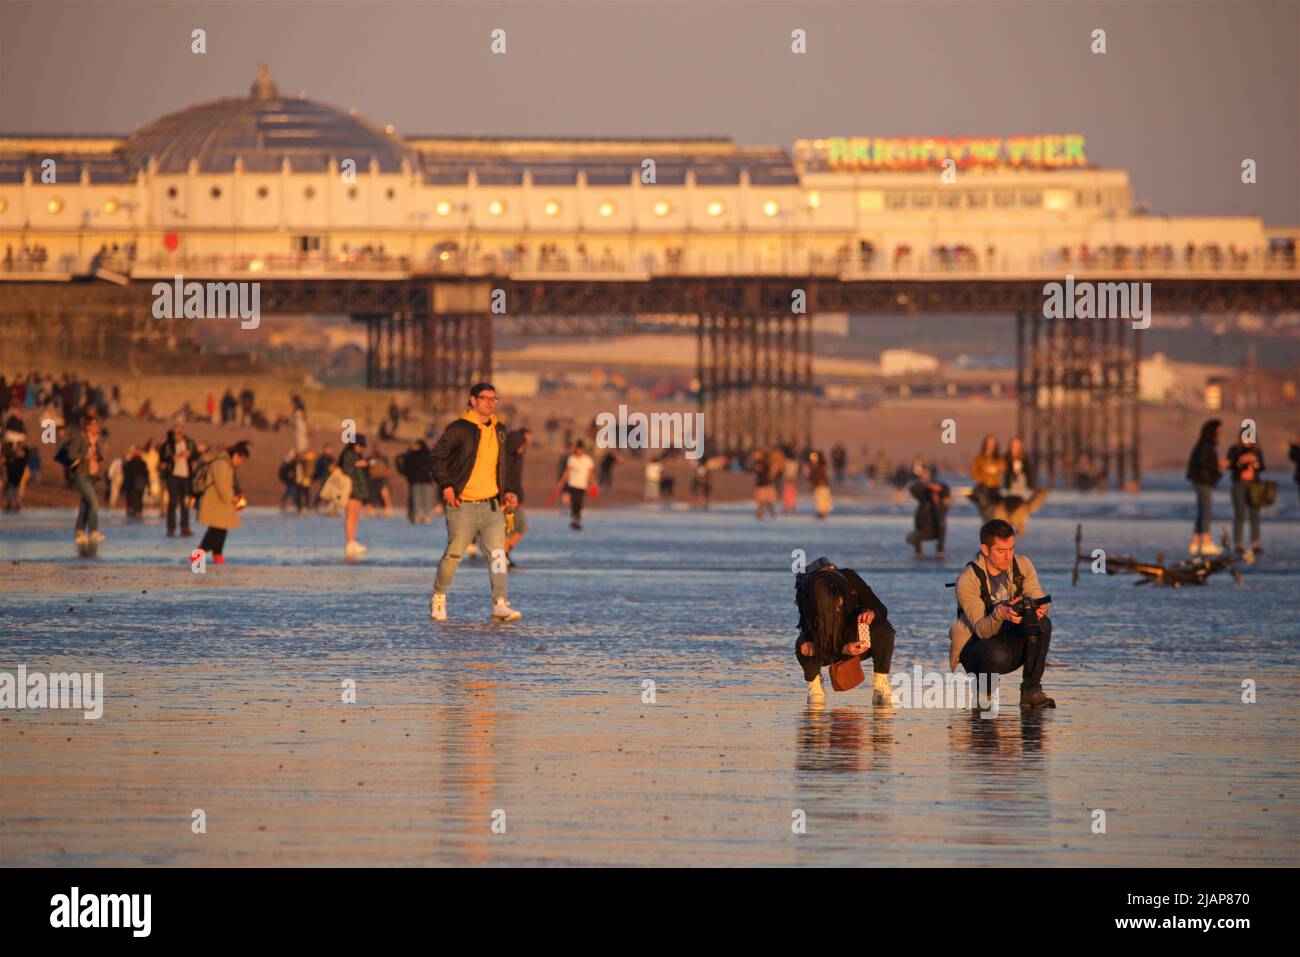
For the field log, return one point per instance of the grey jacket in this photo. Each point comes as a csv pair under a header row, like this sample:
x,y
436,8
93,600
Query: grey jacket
x,y
971,617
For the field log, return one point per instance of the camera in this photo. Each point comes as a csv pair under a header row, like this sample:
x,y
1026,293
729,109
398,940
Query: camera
x,y
1027,609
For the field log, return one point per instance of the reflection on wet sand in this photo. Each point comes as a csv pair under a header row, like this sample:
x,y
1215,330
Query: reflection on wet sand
x,y
464,735
845,739
999,772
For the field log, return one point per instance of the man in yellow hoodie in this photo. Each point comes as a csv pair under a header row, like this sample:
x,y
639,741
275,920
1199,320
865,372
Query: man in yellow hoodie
x,y
468,464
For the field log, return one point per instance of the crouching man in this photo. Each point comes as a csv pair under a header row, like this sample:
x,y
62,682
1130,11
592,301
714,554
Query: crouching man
x,y
989,637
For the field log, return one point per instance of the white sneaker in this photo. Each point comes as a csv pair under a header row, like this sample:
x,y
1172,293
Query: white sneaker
x,y
98,536
438,607
1209,548
1194,548
81,538
816,691
501,611
354,550
881,690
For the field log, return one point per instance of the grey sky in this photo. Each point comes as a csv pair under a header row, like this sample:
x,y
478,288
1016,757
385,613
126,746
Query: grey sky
x,y
1185,91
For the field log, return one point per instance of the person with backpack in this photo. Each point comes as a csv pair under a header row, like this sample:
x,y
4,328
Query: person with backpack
x,y
988,636
220,500
841,624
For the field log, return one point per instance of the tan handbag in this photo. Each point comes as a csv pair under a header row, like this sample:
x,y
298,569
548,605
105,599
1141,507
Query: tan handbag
x,y
847,674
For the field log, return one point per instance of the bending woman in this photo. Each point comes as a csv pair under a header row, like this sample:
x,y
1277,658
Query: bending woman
x,y
832,602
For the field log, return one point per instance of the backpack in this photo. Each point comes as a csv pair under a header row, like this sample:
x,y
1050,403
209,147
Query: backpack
x,y
803,590
201,477
1017,584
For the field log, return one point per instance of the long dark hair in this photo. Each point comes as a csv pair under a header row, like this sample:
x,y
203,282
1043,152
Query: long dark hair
x,y
1208,429
828,612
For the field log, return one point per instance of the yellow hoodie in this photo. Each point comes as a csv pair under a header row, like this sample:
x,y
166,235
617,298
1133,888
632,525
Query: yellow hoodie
x,y
482,481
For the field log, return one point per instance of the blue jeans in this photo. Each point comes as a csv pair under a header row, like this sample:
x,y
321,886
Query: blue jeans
x,y
88,513
1204,507
466,522
1241,507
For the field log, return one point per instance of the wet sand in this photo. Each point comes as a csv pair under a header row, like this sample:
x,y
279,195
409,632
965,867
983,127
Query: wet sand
x,y
224,693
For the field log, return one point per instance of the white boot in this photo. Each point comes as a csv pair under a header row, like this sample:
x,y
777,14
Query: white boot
x,y
438,607
1195,547
881,691
816,691
501,611
1209,548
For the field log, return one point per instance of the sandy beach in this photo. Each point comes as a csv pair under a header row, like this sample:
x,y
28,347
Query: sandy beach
x,y
224,692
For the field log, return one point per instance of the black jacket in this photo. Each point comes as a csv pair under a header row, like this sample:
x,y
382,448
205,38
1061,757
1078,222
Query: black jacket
x,y
452,458
515,463
866,600
1203,464
1234,461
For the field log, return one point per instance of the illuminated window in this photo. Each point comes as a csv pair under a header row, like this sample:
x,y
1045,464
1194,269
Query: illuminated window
x,y
662,208
716,208
1057,199
771,208
443,208
112,206
552,208
55,206
814,200
871,201
496,207
606,209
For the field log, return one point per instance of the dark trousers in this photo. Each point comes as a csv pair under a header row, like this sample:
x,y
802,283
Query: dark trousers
x,y
1204,508
576,498
178,491
135,501
1008,650
214,540
881,654
1241,510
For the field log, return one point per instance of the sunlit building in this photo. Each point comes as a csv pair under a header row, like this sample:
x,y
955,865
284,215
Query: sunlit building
x,y
267,182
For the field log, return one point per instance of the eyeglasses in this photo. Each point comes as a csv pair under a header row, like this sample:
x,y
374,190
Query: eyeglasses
x,y
484,398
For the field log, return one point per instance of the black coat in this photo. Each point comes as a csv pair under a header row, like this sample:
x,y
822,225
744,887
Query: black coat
x,y
930,515
864,600
1203,464
452,458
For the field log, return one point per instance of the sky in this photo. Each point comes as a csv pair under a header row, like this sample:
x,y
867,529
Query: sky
x,y
1183,94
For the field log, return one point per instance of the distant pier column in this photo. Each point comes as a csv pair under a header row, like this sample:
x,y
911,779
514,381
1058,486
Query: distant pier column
x,y
1077,399
755,375
455,351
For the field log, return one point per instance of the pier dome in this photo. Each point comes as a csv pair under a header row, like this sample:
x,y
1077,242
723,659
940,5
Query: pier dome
x,y
263,129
